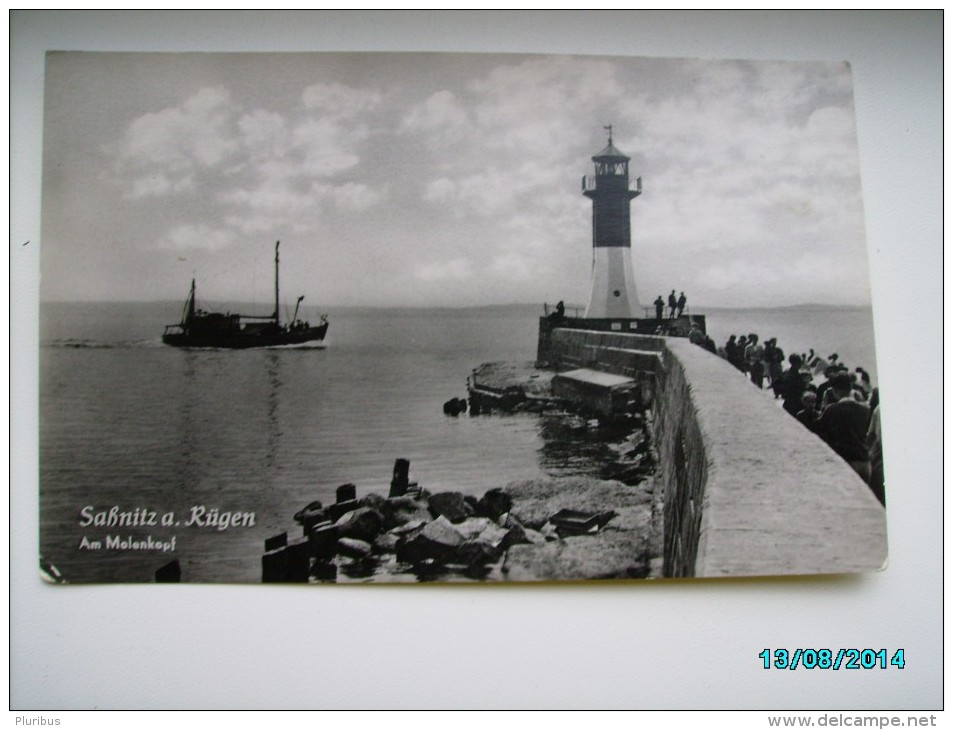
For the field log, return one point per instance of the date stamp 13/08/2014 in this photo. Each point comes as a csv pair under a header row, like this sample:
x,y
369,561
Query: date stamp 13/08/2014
x,y
831,659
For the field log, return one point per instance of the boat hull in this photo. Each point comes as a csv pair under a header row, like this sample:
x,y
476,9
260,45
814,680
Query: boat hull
x,y
245,341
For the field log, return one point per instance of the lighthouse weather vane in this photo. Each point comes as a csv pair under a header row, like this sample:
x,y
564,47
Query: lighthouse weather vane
x,y
610,132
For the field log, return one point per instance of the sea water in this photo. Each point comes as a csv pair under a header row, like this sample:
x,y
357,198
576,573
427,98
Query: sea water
x,y
150,430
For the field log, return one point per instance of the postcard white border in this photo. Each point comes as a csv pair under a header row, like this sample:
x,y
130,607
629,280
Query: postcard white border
x,y
665,645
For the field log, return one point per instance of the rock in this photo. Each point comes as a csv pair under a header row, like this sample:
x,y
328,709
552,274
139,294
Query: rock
x,y
473,505
471,527
363,523
495,503
533,537
345,493
449,505
476,552
495,536
401,510
515,534
372,500
310,516
353,548
386,543
451,407
312,506
437,541
334,511
408,528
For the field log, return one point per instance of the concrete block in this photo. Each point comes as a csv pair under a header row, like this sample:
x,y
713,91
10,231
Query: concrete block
x,y
345,493
299,560
278,541
322,541
274,566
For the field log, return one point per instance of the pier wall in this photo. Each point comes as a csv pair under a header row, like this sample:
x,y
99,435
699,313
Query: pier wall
x,y
747,489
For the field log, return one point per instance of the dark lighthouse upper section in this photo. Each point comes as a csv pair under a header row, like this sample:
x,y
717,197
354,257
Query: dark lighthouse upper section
x,y
610,192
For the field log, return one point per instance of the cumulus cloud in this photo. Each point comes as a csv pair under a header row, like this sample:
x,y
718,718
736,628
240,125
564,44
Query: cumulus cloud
x,y
264,169
172,144
196,237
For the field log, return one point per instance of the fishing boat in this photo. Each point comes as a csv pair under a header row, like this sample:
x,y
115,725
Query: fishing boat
x,y
199,328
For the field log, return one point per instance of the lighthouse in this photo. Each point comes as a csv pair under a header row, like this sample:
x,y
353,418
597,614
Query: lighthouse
x,y
613,283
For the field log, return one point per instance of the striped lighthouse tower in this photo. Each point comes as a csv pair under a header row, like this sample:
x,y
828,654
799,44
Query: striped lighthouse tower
x,y
613,283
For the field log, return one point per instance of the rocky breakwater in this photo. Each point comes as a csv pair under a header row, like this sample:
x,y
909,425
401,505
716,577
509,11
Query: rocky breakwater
x,y
540,530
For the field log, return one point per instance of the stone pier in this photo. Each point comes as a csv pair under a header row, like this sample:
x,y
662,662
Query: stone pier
x,y
747,489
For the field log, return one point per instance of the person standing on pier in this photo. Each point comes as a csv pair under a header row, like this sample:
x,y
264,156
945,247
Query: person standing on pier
x,y
659,308
844,425
754,354
672,305
682,301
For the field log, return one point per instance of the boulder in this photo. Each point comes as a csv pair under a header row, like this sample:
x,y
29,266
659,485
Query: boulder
x,y
401,510
408,528
372,500
516,533
363,523
495,503
495,536
311,516
312,506
354,548
437,541
473,505
477,552
471,527
448,504
386,543
316,504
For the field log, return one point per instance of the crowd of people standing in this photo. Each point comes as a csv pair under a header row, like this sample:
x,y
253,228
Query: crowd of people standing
x,y
838,404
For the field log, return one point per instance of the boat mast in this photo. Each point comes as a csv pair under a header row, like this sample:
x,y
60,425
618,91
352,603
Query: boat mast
x,y
277,243
188,312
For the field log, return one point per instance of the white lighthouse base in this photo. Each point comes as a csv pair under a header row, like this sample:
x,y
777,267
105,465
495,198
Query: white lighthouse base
x,y
613,284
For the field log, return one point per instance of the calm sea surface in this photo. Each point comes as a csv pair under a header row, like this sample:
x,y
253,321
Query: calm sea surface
x,y
126,421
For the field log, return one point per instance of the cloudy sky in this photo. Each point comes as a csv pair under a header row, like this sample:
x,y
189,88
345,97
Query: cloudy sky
x,y
444,179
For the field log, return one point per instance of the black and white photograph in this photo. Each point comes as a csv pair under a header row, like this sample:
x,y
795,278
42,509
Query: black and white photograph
x,y
438,317
476,360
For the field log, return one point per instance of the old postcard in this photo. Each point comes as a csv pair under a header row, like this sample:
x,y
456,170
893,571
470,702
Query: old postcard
x,y
380,317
